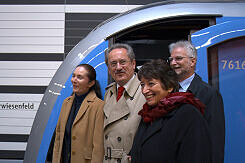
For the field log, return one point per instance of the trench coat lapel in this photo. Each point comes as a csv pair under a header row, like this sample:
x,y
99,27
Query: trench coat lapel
x,y
84,106
119,110
116,111
133,87
152,129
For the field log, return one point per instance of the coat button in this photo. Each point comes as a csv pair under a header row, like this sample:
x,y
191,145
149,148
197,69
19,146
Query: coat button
x,y
106,136
73,153
125,118
74,138
119,139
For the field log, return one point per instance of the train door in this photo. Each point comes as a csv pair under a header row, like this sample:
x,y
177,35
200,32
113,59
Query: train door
x,y
222,63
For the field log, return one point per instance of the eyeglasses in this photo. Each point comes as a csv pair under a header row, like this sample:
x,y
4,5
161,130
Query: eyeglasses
x,y
121,62
177,59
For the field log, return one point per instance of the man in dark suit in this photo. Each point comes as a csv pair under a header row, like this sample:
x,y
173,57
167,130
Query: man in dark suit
x,y
183,60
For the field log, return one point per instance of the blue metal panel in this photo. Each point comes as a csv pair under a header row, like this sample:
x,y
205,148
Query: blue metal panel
x,y
226,19
231,60
96,59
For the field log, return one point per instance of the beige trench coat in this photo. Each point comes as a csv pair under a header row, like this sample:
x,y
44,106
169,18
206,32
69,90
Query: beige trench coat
x,y
121,120
87,131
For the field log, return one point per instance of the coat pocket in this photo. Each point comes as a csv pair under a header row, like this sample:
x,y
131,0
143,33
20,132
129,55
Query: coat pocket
x,y
87,153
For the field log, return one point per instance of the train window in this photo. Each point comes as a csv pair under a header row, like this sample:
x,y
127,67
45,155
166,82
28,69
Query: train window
x,y
151,40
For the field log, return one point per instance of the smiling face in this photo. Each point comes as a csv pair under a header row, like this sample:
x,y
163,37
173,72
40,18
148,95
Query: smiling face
x,y
120,66
183,65
80,81
153,91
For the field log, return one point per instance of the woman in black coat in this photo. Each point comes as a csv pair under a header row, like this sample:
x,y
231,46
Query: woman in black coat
x,y
172,129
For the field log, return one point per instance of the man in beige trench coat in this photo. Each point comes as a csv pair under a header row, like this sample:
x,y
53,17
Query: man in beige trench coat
x,y
121,113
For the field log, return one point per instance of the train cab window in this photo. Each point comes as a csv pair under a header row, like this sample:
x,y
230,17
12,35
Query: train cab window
x,y
151,40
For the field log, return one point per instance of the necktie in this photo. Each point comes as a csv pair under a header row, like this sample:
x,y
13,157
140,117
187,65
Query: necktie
x,y
120,92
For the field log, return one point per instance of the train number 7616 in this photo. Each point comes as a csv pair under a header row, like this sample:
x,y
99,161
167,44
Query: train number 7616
x,y
233,64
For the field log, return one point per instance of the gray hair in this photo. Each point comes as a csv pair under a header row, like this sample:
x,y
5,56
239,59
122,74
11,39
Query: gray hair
x,y
129,49
190,49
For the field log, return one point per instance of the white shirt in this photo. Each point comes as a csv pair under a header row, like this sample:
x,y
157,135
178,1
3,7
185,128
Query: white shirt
x,y
186,83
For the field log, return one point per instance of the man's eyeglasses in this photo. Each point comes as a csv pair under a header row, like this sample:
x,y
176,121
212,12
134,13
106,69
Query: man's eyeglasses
x,y
121,62
177,59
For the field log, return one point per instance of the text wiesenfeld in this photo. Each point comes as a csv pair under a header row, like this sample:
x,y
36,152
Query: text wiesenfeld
x,y
17,106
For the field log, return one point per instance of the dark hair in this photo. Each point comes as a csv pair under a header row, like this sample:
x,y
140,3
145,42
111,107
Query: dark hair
x,y
91,74
159,69
129,49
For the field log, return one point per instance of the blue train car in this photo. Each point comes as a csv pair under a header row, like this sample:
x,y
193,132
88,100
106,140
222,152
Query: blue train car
x,y
217,29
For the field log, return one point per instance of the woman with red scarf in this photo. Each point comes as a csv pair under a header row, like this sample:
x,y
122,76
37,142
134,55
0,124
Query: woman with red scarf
x,y
172,129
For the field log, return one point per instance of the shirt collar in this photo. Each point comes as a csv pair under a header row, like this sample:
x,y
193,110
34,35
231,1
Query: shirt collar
x,y
186,83
126,85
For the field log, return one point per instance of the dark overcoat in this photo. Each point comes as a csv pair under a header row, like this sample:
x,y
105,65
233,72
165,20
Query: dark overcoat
x,y
214,114
179,137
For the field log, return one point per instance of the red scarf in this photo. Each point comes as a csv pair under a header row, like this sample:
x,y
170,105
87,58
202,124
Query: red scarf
x,y
168,104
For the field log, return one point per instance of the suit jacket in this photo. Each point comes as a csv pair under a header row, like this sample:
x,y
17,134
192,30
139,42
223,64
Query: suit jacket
x,y
121,120
214,114
87,131
179,137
